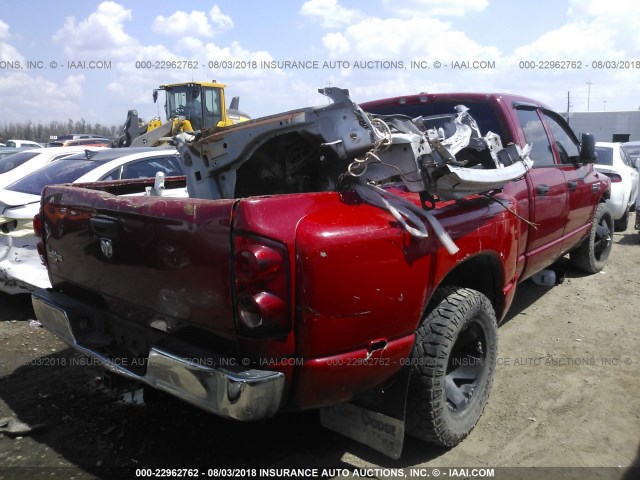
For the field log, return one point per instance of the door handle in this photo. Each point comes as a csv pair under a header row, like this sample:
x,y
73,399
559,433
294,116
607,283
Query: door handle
x,y
104,226
572,184
542,189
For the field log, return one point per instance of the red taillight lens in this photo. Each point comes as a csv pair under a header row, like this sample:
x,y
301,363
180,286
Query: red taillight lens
x,y
253,261
37,231
37,225
261,286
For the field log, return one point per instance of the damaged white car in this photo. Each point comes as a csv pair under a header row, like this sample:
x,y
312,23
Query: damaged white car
x,y
21,269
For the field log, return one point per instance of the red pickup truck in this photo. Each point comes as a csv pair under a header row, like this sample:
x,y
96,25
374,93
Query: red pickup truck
x,y
280,288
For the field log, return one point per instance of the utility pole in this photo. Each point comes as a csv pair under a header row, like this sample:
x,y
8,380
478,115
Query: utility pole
x,y
589,94
604,105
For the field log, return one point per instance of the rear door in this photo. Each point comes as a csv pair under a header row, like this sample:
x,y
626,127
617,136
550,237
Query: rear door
x,y
628,161
546,181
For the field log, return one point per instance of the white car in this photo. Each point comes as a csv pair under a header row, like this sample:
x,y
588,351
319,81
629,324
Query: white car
x,y
633,150
15,166
614,162
23,144
21,270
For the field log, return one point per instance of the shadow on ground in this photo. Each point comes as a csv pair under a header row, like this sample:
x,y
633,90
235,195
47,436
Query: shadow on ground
x,y
94,430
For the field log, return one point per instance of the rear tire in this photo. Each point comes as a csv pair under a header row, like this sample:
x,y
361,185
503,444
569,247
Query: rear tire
x,y
592,254
453,364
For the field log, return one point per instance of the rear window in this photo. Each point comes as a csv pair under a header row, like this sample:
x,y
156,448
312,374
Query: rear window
x,y
60,171
633,151
605,155
14,160
482,113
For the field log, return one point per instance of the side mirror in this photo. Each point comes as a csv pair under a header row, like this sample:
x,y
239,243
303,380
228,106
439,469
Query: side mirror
x,y
155,96
588,148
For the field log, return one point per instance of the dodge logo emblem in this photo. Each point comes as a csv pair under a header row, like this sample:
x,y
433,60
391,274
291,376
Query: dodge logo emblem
x,y
107,247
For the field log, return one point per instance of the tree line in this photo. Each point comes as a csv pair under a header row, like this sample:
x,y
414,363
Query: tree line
x,y
42,132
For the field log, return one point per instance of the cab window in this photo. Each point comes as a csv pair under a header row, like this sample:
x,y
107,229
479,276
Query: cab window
x,y
534,134
212,107
150,166
568,150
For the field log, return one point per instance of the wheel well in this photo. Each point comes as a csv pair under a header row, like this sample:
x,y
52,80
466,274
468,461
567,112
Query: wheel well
x,y
482,273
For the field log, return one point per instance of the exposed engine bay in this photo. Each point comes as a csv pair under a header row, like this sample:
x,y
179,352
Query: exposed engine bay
x,y
339,145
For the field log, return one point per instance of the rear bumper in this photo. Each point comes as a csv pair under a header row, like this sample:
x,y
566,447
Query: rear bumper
x,y
237,393
617,205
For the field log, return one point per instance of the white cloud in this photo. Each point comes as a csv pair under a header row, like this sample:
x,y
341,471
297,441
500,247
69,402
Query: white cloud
x,y
329,13
61,97
406,39
8,52
194,24
571,41
596,31
617,18
336,43
182,23
427,8
219,19
597,8
102,32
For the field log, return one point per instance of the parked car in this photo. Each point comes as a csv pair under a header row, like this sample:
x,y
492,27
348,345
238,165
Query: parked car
x,y
14,167
21,268
4,151
633,150
615,163
23,144
73,136
94,141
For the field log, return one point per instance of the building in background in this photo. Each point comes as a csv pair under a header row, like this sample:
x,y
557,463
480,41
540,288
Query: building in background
x,y
607,126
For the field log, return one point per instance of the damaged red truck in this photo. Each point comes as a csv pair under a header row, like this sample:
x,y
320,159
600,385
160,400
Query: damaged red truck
x,y
284,290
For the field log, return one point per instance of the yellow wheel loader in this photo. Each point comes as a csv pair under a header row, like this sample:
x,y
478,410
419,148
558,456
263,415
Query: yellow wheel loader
x,y
190,106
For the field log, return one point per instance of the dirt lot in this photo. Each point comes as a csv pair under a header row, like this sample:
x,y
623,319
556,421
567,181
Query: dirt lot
x,y
567,393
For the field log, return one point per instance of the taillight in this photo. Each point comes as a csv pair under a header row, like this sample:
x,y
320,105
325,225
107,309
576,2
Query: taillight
x,y
37,231
261,280
37,225
615,178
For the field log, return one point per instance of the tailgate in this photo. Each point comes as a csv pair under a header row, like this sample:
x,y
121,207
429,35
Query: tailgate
x,y
146,259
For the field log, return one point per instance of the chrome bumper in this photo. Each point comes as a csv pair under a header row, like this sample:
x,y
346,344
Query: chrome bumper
x,y
240,394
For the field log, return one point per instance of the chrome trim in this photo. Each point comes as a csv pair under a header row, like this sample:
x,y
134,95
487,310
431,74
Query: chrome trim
x,y
245,394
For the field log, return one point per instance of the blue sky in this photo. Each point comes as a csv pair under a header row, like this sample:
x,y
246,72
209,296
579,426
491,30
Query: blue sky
x,y
498,32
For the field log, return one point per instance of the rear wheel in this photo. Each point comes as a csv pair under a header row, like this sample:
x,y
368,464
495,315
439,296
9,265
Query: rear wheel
x,y
591,256
453,364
